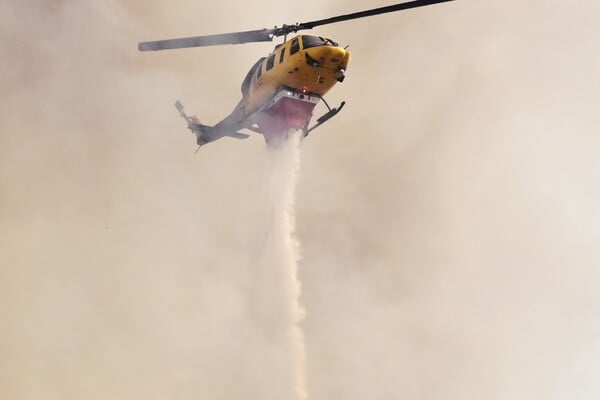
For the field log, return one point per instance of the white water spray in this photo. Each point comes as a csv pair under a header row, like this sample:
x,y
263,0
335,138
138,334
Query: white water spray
x,y
278,307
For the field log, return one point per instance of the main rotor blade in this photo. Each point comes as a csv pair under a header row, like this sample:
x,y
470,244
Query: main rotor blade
x,y
261,35
267,35
368,13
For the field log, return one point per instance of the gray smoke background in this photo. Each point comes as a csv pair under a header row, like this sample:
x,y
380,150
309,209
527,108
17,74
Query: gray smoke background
x,y
448,217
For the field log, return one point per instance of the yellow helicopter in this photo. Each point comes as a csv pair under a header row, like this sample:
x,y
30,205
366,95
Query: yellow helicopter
x,y
281,90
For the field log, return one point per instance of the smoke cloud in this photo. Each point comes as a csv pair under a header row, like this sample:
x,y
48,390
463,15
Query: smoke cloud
x,y
448,216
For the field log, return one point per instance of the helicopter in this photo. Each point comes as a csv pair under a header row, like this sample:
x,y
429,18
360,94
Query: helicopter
x,y
281,90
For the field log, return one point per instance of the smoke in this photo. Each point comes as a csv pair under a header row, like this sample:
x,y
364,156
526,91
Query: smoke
x,y
448,215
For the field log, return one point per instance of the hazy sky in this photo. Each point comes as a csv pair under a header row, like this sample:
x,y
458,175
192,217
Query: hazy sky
x,y
448,216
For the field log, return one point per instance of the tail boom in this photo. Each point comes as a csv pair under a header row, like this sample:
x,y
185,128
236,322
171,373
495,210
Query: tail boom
x,y
206,133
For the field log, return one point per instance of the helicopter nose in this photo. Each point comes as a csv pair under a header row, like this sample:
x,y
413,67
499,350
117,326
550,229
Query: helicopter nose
x,y
338,59
329,57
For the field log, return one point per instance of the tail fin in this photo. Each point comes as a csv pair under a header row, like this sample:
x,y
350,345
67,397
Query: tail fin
x,y
194,125
181,110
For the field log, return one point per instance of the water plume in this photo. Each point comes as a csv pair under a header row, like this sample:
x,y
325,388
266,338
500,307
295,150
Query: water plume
x,y
278,310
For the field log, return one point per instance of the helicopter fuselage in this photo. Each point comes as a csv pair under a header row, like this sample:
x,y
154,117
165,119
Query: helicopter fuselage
x,y
305,64
301,69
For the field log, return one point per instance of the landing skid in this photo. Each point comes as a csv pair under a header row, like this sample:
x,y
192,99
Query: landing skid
x,y
325,117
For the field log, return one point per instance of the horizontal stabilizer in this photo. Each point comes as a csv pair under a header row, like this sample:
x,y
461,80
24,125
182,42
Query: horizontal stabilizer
x,y
238,135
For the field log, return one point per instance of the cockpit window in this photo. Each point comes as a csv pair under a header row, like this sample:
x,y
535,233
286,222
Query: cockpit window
x,y
314,41
295,46
281,55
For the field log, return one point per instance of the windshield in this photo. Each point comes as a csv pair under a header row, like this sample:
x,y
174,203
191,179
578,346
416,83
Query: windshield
x,y
314,41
